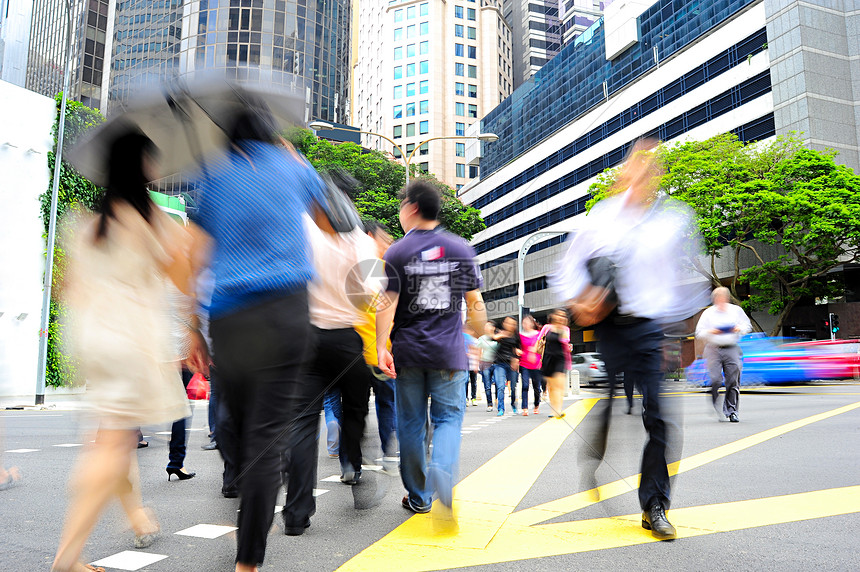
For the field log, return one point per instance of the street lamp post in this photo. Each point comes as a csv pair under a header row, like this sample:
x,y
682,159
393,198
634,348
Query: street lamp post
x,y
486,137
52,220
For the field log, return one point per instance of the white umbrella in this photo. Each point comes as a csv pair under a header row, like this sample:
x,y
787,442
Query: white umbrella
x,y
187,121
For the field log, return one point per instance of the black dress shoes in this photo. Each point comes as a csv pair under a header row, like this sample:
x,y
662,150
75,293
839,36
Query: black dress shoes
x,y
290,530
230,493
654,519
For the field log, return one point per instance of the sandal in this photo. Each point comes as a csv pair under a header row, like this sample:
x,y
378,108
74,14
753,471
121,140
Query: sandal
x,y
142,444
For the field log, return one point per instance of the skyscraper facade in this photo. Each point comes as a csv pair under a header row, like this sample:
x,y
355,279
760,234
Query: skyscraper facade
x,y
443,66
14,40
542,27
87,56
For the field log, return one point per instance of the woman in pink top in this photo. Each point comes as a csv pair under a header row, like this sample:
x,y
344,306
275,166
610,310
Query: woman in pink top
x,y
556,358
530,364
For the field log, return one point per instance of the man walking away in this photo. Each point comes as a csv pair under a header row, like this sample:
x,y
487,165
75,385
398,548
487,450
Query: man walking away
x,y
720,327
429,272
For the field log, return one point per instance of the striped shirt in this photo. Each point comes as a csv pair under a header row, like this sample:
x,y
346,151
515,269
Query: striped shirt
x,y
253,211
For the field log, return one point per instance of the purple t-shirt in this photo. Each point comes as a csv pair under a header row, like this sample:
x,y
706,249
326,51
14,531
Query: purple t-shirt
x,y
430,270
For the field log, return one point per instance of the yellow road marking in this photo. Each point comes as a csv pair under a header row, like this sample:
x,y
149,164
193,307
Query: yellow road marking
x,y
546,511
526,542
488,527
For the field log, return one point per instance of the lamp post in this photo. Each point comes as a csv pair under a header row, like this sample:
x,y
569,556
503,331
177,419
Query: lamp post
x,y
52,220
486,137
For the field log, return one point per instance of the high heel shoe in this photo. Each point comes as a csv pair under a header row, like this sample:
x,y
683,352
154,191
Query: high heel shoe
x,y
150,530
180,474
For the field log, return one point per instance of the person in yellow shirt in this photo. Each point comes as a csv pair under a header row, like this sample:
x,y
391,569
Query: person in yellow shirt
x,y
382,385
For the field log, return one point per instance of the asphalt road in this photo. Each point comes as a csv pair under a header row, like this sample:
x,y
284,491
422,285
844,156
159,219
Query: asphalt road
x,y
778,491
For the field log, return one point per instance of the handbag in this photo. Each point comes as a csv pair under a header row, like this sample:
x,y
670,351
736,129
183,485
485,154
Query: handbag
x,y
540,346
198,388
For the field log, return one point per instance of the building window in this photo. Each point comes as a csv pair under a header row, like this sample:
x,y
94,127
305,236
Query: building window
x,y
458,50
410,130
424,106
398,72
460,129
410,50
473,33
398,91
398,15
398,34
410,147
396,153
460,109
473,72
410,70
473,52
410,31
459,186
470,14
458,30
424,28
398,131
398,53
458,13
424,167
461,150
410,89
461,170
458,89
410,110
424,66
473,111
423,86
410,12
424,128
460,69
473,171
424,149
424,47
473,90
424,9
398,112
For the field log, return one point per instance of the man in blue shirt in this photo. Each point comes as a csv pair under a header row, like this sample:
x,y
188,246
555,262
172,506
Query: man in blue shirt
x,y
430,271
252,207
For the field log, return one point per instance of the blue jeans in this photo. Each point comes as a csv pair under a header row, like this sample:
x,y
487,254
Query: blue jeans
x,y
536,378
445,390
487,377
501,373
178,435
386,410
332,408
213,407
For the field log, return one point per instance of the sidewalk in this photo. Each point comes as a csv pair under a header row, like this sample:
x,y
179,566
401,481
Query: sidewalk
x,y
62,399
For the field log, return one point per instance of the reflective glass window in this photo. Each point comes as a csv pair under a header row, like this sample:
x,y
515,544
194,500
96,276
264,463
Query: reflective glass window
x,y
424,66
424,28
398,91
398,34
398,111
459,88
398,53
460,109
470,14
424,47
458,50
410,50
473,90
398,15
459,129
410,109
461,170
460,150
410,70
424,86
473,72
410,89
459,69
424,9
424,107
410,31
398,72
458,12
410,130
473,52
458,30
473,33
424,127
410,12
398,131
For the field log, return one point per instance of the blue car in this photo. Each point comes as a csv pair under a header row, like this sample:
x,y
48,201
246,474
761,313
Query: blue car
x,y
765,362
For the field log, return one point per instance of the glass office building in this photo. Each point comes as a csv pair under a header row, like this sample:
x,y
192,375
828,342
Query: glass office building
x,y
299,44
90,60
694,69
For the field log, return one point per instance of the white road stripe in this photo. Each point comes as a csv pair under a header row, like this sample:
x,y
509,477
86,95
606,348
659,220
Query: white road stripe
x,y
130,560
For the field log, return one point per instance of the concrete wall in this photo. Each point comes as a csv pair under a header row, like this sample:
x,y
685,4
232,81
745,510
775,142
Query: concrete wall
x,y
814,48
25,139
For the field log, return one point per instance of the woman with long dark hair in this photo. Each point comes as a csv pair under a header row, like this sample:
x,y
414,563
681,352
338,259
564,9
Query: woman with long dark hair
x,y
119,263
556,359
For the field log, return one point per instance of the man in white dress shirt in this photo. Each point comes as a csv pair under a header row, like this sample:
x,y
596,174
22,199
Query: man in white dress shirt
x,y
627,272
720,327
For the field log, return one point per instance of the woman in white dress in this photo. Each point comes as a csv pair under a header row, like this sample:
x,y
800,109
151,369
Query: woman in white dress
x,y
119,263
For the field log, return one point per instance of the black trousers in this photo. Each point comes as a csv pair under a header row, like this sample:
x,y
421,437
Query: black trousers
x,y
637,350
260,351
339,363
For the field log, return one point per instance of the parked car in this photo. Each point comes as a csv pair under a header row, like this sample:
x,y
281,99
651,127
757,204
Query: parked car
x,y
590,367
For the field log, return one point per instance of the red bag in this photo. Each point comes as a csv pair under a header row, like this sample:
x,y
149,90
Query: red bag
x,y
198,388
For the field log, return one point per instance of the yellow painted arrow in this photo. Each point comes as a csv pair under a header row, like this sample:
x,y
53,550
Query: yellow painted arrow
x,y
488,526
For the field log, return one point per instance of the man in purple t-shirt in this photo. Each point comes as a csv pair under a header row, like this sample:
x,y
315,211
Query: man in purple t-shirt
x,y
430,272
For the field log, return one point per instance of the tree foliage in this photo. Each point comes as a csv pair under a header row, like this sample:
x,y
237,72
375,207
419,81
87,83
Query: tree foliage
x,y
73,191
381,180
749,197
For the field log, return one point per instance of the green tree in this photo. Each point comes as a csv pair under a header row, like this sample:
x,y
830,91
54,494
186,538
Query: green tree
x,y
381,180
74,191
793,209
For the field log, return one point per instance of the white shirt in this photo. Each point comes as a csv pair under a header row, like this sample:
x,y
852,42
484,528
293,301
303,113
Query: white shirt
x,y
336,294
655,251
715,319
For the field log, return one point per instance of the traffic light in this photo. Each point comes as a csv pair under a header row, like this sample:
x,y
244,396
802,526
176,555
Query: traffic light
x,y
834,323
